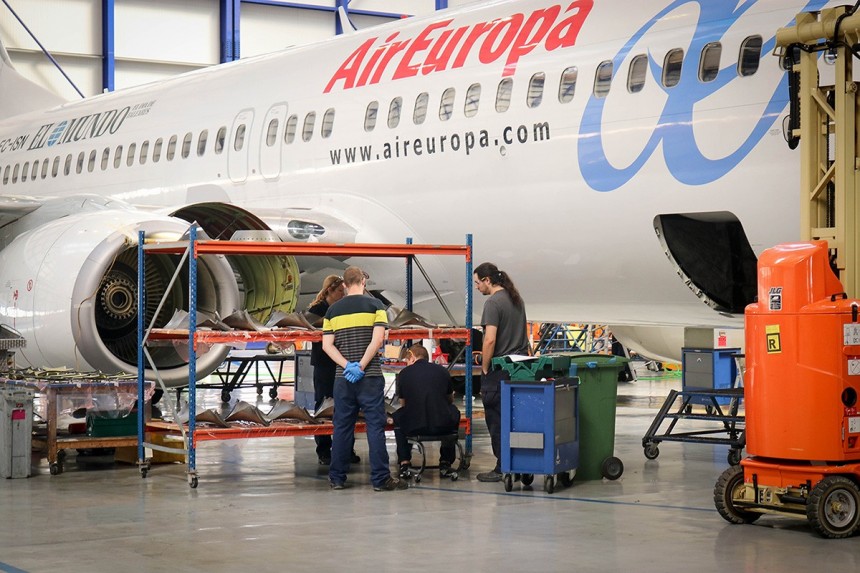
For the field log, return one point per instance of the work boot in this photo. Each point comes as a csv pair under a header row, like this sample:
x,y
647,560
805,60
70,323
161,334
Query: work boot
x,y
391,484
490,476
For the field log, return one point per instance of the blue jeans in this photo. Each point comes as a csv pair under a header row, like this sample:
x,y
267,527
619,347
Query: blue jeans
x,y
368,395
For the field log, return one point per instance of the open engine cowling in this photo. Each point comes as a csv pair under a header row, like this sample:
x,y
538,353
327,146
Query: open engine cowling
x,y
70,288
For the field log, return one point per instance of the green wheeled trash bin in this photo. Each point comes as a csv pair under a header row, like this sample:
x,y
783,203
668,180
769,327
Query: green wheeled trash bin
x,y
598,391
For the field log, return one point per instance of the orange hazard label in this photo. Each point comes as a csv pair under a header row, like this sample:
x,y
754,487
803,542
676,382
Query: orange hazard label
x,y
772,337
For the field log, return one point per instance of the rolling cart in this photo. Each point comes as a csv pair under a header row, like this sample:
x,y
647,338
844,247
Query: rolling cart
x,y
540,431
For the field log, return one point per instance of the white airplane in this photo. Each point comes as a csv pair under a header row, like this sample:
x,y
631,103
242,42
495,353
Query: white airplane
x,y
623,161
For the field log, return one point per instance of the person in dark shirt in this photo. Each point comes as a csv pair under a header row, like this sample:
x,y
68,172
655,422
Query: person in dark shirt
x,y
505,332
427,407
324,367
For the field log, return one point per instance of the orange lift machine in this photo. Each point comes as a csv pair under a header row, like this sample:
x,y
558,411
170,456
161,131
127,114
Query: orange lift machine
x,y
801,385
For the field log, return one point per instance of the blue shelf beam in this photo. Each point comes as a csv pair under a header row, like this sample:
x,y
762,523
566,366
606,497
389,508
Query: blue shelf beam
x,y
229,30
108,46
468,356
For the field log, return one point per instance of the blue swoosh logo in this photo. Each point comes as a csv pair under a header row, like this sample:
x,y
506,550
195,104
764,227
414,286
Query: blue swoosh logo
x,y
674,130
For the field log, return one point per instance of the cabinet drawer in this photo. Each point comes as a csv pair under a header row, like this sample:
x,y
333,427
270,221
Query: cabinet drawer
x,y
699,362
698,380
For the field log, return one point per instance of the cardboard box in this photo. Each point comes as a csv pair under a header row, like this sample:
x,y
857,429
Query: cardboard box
x,y
128,454
392,351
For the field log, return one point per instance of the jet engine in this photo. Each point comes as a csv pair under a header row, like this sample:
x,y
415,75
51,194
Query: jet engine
x,y
70,288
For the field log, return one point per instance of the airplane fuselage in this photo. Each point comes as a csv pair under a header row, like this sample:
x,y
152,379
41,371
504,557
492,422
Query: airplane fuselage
x,y
498,119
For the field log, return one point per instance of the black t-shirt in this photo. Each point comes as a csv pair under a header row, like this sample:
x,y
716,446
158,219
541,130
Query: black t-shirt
x,y
425,388
318,356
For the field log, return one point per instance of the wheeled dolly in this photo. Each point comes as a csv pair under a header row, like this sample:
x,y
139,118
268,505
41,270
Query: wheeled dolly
x,y
452,473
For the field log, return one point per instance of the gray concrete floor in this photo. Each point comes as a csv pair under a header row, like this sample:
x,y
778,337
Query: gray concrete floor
x,y
265,505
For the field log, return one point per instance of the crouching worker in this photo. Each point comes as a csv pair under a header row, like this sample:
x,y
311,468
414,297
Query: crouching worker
x,y
426,408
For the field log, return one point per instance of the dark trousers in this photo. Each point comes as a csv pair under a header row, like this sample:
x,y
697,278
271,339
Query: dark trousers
x,y
447,452
323,388
368,396
491,395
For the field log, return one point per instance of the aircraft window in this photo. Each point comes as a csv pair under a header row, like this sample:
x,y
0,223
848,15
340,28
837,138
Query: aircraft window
x,y
186,142
45,168
672,67
603,79
156,150
567,85
79,167
327,122
105,158
24,171
238,141
91,164
171,148
535,95
117,157
144,151
219,140
370,115
67,168
272,132
6,175
35,170
55,168
290,130
636,74
473,100
15,174
394,112
503,95
129,159
446,106
201,142
308,129
709,63
421,104
750,56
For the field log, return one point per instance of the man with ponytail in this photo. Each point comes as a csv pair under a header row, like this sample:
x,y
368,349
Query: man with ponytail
x,y
505,332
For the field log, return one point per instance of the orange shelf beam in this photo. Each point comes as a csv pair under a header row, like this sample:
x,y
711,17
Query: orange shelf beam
x,y
308,249
276,430
232,336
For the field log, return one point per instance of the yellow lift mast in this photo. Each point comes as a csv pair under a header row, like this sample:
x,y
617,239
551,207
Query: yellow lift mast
x,y
824,120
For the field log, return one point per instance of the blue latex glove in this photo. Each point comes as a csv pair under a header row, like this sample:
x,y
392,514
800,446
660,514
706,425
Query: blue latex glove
x,y
353,372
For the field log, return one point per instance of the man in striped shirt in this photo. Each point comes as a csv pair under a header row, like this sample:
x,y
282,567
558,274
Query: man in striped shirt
x,y
353,332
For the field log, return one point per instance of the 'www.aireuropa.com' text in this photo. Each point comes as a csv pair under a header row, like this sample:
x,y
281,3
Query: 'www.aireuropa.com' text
x,y
468,143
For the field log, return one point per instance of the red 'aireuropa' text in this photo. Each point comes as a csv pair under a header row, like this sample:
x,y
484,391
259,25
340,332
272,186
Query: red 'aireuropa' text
x,y
440,46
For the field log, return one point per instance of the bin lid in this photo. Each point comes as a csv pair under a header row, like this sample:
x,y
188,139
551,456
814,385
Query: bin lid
x,y
594,360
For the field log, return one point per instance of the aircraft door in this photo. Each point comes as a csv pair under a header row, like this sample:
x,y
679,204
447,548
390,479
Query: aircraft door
x,y
271,141
239,147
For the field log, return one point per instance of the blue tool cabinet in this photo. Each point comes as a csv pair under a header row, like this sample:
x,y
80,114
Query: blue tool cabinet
x,y
540,431
707,368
